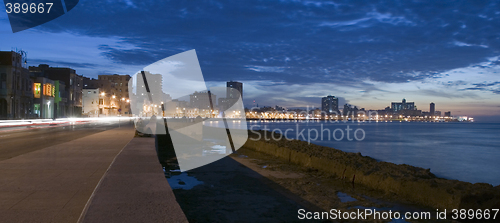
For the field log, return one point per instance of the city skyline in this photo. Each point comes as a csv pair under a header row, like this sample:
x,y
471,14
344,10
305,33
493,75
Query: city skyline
x,y
448,57
233,88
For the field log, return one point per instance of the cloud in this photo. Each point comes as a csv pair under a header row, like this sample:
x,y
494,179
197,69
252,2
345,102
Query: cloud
x,y
370,19
399,42
350,45
266,69
486,84
64,63
458,43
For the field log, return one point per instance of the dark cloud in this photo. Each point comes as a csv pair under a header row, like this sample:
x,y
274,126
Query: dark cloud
x,y
474,88
62,63
486,86
297,42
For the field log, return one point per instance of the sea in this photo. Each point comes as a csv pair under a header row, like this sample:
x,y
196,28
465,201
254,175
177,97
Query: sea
x,y
465,151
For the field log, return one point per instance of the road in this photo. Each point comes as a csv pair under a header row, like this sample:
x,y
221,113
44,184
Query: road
x,y
49,174
18,142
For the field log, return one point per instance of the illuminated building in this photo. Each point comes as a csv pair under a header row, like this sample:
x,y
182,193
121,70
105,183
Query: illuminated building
x,y
73,85
116,96
403,105
44,91
330,104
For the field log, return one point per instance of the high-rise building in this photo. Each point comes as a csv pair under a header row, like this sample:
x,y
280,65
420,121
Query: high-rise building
x,y
403,105
432,109
330,104
234,89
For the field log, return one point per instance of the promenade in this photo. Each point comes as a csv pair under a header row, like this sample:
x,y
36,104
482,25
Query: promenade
x,y
57,183
134,189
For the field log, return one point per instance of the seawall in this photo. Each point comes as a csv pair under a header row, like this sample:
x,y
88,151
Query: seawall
x,y
413,184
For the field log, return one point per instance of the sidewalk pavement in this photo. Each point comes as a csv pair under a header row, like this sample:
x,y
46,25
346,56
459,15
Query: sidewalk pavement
x,y
54,184
135,189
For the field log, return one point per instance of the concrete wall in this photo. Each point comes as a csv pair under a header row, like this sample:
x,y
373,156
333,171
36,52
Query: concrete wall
x,y
413,184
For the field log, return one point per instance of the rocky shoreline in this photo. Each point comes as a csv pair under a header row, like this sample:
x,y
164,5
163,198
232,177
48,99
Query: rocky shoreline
x,y
408,183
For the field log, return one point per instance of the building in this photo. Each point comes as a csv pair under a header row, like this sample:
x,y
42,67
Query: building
x,y
176,108
234,90
447,114
403,105
224,103
201,100
73,84
432,109
16,93
330,104
413,112
44,91
114,92
60,100
350,111
144,102
90,83
90,102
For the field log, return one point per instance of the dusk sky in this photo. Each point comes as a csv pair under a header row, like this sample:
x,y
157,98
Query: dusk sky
x,y
291,52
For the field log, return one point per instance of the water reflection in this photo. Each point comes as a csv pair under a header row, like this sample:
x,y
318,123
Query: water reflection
x,y
183,181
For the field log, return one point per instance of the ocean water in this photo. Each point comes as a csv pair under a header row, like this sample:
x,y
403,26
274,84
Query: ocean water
x,y
464,151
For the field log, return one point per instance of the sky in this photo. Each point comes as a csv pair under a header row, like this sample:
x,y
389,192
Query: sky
x,y
291,52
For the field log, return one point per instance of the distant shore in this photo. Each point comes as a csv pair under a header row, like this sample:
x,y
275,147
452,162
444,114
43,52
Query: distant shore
x,y
354,120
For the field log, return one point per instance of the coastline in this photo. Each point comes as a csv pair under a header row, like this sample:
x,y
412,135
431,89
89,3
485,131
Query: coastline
x,y
413,184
